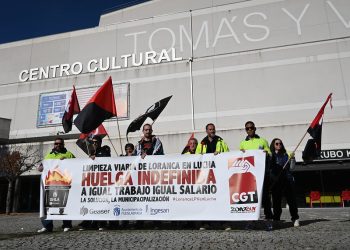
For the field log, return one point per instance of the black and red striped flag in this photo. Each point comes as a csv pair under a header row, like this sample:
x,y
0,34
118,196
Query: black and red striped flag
x,y
72,108
313,146
85,140
100,107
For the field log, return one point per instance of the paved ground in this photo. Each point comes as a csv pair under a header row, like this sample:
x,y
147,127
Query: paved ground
x,y
325,228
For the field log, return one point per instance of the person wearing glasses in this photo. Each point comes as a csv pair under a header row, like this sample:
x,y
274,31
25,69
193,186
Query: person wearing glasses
x,y
58,152
98,150
251,142
282,181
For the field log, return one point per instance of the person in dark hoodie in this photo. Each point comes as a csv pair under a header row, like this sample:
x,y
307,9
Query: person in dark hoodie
x,y
149,144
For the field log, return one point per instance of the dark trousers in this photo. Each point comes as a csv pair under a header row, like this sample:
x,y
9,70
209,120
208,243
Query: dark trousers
x,y
266,198
284,187
48,224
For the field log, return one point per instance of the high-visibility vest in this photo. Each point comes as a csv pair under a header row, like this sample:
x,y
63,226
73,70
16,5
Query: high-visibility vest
x,y
221,147
255,143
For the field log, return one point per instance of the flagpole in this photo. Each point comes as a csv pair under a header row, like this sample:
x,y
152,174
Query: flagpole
x,y
109,138
120,138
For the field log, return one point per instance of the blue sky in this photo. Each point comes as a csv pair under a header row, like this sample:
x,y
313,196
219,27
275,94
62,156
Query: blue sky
x,y
22,19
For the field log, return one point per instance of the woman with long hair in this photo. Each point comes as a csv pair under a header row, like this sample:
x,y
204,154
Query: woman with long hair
x,y
282,183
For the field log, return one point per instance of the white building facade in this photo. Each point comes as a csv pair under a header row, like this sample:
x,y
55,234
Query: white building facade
x,y
224,61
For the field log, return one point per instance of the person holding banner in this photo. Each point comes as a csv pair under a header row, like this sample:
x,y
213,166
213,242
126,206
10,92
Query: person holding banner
x,y
149,144
99,151
282,181
192,146
212,144
129,149
61,153
251,142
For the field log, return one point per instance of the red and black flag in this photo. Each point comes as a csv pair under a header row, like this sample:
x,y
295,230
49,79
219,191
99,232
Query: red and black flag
x,y
72,108
85,140
99,108
152,112
313,146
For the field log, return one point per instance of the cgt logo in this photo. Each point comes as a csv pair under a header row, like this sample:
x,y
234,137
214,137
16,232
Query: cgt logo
x,y
84,211
242,162
116,210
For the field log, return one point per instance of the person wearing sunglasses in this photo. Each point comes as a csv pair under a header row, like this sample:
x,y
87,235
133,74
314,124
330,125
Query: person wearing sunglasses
x,y
255,142
97,150
282,181
58,152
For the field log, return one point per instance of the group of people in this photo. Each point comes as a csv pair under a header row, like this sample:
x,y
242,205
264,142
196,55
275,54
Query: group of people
x,y
278,180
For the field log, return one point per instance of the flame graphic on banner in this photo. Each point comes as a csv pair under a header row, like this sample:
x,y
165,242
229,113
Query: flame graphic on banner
x,y
57,178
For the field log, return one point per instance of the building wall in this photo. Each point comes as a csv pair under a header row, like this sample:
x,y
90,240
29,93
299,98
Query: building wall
x,y
273,62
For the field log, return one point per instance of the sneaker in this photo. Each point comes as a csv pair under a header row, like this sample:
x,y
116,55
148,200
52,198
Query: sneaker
x,y
228,228
43,230
202,228
101,229
296,223
66,229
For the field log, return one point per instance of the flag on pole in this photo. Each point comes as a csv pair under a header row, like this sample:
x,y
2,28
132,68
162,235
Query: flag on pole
x,y
313,146
187,147
85,140
152,112
72,108
100,107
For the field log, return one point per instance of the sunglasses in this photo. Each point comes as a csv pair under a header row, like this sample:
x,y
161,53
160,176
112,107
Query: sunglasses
x,y
249,128
58,143
278,143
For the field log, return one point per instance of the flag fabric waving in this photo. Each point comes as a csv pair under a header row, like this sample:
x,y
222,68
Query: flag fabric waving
x,y
72,108
152,112
100,107
84,140
313,146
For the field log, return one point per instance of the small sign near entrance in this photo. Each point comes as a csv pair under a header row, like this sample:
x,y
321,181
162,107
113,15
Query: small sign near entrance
x,y
335,154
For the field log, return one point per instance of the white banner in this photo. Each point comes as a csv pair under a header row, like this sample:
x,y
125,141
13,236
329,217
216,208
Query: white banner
x,y
225,187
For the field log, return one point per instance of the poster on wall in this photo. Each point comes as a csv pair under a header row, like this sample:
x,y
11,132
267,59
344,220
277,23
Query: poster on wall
x,y
51,108
227,186
52,105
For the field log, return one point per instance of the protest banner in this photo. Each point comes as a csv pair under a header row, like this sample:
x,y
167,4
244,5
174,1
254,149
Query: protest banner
x,y
227,187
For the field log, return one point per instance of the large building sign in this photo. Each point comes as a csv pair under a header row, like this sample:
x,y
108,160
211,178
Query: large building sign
x,y
102,64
